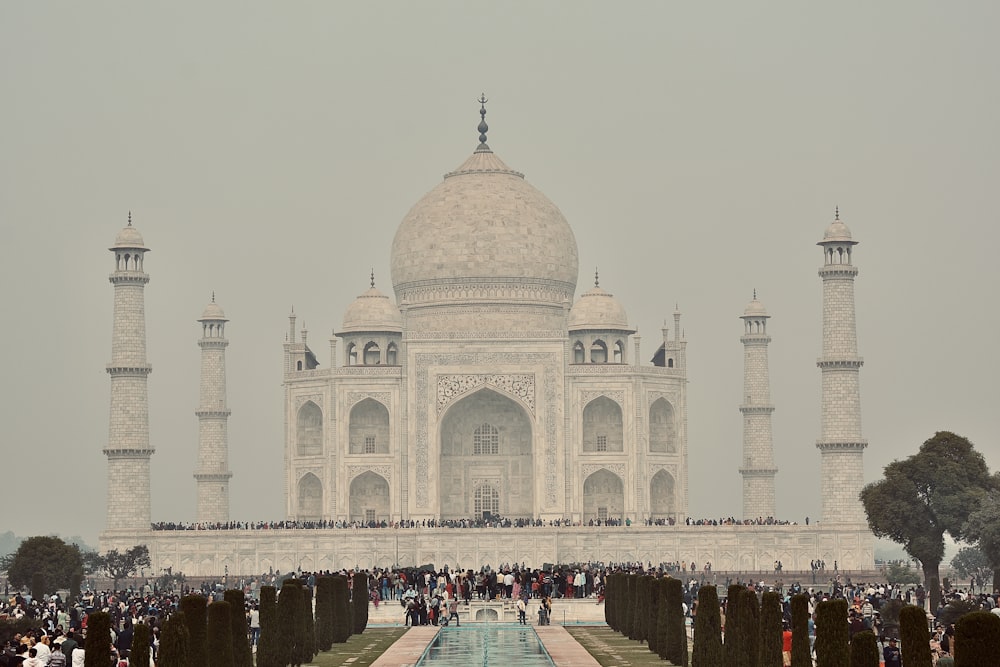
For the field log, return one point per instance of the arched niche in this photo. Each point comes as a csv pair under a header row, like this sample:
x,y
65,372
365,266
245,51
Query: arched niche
x,y
309,430
369,498
662,496
369,428
662,429
603,496
603,427
310,497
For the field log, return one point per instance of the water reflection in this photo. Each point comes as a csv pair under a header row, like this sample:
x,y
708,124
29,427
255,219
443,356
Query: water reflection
x,y
507,645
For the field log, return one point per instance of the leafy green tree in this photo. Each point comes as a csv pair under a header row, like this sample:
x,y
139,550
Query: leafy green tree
x,y
195,612
50,557
708,650
359,598
242,653
141,638
971,562
983,528
864,650
37,586
220,635
324,613
771,626
901,574
271,647
97,647
832,634
914,637
977,639
800,631
175,642
926,495
121,565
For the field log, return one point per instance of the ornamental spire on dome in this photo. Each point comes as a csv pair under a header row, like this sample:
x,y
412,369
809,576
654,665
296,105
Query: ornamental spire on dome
x,y
483,127
597,278
373,277
836,212
130,218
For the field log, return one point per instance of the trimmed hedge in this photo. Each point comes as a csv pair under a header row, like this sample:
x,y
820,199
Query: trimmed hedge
x,y
290,621
653,639
341,611
220,635
175,642
732,633
675,649
977,639
800,631
97,646
309,625
864,650
708,651
242,653
832,634
359,599
324,613
141,637
195,610
771,627
914,637
749,629
271,647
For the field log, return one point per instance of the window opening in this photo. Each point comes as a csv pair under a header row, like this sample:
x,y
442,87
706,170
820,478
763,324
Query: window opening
x,y
486,441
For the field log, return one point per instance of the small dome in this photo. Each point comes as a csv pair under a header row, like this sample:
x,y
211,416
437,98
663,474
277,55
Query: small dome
x,y
837,232
372,311
129,237
755,309
597,309
213,311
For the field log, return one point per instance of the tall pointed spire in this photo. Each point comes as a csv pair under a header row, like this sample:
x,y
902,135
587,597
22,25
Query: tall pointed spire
x,y
483,127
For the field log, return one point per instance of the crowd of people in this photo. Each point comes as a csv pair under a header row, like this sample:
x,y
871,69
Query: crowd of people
x,y
434,596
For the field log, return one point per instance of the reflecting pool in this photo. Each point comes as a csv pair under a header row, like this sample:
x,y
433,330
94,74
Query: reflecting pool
x,y
482,645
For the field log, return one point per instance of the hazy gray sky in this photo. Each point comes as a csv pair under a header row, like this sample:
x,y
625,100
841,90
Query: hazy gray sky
x,y
269,150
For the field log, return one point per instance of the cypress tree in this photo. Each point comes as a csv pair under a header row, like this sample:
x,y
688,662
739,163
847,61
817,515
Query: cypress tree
x,y
195,610
290,621
220,635
641,607
708,651
242,653
770,629
864,650
324,613
977,639
628,627
801,656
175,642
832,636
609,600
653,635
676,650
359,598
731,630
138,655
74,586
749,629
97,646
914,637
341,611
309,625
271,647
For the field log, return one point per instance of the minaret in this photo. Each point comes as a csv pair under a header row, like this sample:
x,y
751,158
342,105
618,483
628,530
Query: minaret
x,y
841,445
758,451
128,449
213,473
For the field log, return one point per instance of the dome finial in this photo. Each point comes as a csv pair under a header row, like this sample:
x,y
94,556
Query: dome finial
x,y
597,278
483,127
213,296
754,293
373,277
130,218
836,212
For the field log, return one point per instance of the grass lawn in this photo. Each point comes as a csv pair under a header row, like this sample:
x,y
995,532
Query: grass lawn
x,y
612,649
359,650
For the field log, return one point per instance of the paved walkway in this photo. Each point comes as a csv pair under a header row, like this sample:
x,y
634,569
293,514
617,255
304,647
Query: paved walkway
x,y
408,648
563,649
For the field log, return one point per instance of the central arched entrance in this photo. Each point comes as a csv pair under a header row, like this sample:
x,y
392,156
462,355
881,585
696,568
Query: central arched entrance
x,y
486,460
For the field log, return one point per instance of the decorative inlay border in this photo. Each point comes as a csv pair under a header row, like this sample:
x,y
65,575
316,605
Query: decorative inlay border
x,y
382,397
485,335
551,362
384,471
617,396
588,469
302,399
657,467
450,387
302,472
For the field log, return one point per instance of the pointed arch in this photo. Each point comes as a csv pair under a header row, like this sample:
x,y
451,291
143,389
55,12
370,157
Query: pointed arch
x,y
662,427
392,355
310,498
579,354
368,430
309,430
603,426
662,496
372,354
352,354
619,352
603,496
598,352
369,498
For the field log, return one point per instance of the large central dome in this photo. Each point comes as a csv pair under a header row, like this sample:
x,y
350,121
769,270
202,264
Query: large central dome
x,y
484,235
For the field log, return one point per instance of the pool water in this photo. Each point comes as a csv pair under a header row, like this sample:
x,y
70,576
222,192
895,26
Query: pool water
x,y
483,645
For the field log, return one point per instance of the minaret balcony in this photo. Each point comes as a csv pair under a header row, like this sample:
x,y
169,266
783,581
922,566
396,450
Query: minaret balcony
x,y
210,414
838,271
844,363
121,370
128,278
841,446
756,409
758,472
